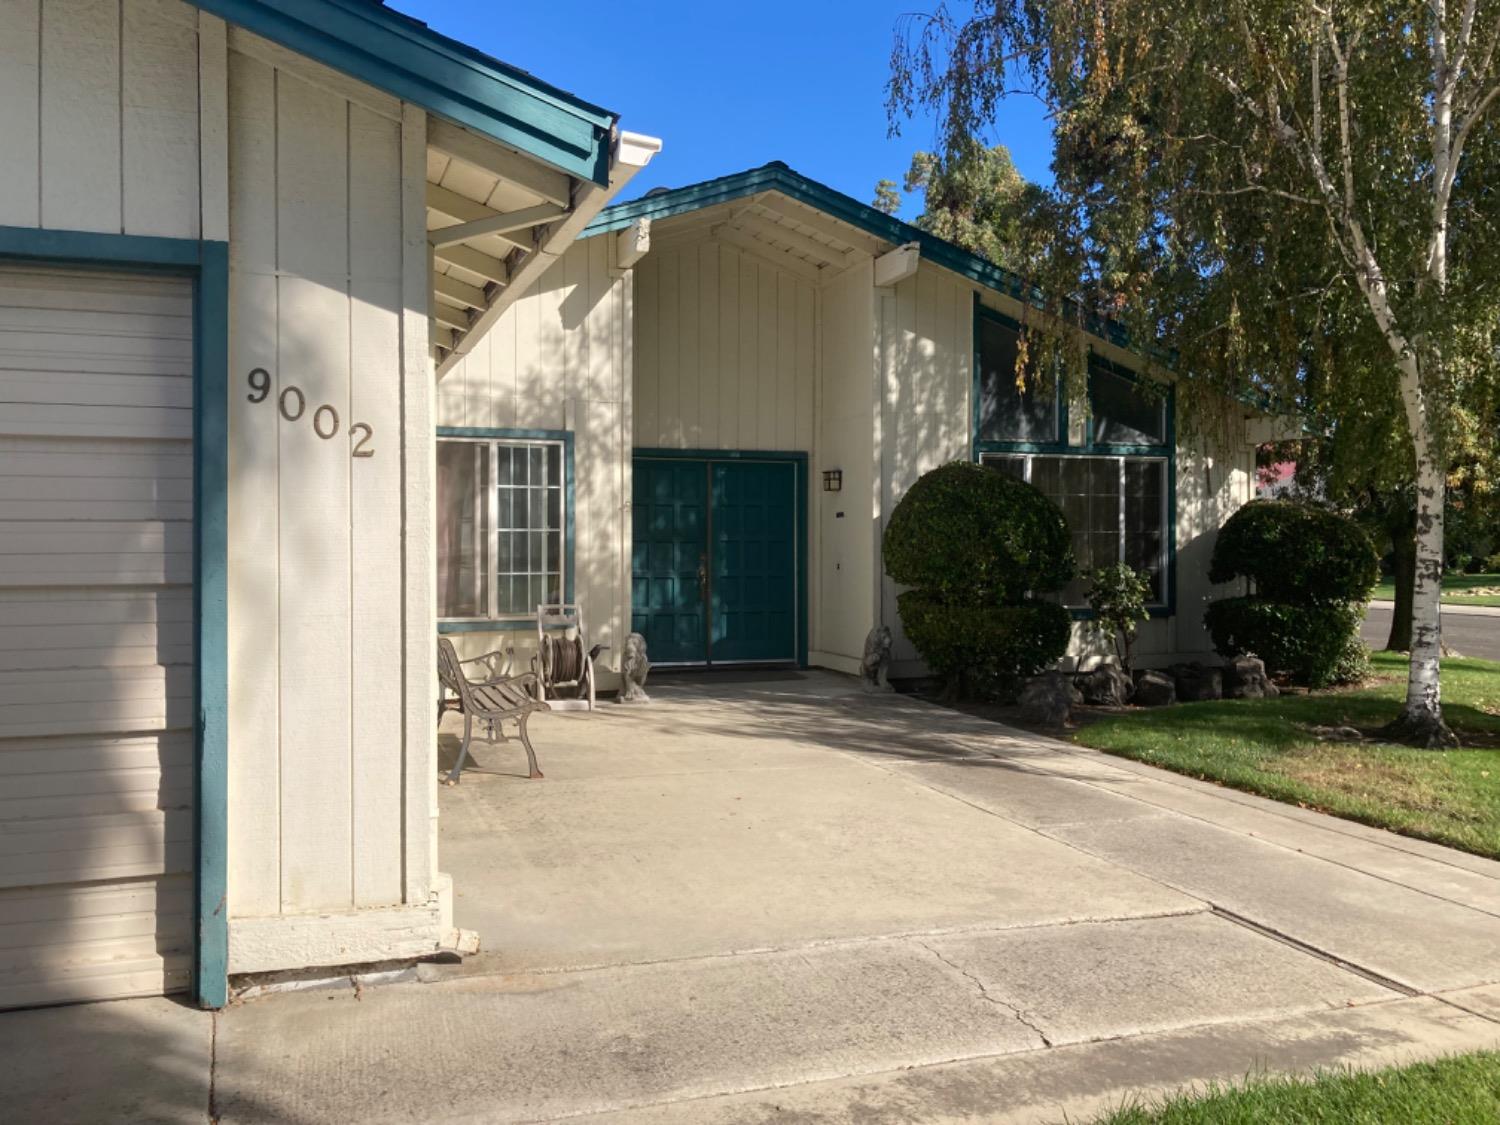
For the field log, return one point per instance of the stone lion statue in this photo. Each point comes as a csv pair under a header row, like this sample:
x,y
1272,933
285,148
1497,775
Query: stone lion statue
x,y
634,667
876,660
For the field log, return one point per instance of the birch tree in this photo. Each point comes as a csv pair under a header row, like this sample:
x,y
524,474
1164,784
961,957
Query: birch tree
x,y
1244,182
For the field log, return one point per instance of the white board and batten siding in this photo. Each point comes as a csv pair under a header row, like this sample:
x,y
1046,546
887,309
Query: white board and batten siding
x,y
321,277
727,351
559,359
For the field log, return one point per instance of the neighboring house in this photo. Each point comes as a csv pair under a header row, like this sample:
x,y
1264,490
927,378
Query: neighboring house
x,y
217,678
722,425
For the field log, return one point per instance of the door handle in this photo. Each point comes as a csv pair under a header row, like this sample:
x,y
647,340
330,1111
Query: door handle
x,y
703,577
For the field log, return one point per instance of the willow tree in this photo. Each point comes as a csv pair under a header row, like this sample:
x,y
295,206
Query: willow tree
x,y
1235,178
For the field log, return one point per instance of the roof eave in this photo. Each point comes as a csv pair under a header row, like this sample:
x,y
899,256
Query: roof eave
x,y
410,61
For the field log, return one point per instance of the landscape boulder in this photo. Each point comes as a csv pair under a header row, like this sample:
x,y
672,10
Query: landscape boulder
x,y
1245,678
1154,689
1048,699
1104,686
1197,681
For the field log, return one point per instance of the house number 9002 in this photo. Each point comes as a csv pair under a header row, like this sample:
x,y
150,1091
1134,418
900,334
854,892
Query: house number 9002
x,y
292,404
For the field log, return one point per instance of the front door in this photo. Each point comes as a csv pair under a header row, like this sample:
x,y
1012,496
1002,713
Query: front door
x,y
715,560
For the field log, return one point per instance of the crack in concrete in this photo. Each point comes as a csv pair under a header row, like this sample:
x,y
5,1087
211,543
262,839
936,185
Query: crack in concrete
x,y
985,994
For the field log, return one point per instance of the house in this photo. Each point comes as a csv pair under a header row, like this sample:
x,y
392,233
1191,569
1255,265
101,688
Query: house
x,y
736,382
320,333
217,319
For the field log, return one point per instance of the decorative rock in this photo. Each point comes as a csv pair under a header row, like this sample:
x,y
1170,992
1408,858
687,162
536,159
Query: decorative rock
x,y
1104,686
634,668
1245,678
1048,699
1154,689
1197,682
876,660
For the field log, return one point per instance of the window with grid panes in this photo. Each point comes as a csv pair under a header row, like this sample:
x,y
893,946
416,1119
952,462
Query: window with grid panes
x,y
502,517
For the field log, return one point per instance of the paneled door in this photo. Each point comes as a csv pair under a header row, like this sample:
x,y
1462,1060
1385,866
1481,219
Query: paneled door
x,y
716,560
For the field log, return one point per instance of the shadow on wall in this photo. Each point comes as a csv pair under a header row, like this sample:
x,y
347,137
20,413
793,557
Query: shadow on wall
x,y
543,385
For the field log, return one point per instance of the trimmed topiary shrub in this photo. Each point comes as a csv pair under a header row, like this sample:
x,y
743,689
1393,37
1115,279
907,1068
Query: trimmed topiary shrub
x,y
1296,554
1310,643
1312,569
963,532
987,648
975,545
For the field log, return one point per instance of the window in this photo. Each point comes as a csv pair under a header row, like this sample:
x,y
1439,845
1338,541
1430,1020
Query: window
x,y
1116,508
1006,412
1122,413
502,515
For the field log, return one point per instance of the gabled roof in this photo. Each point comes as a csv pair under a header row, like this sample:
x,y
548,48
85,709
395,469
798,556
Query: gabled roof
x,y
777,177
406,58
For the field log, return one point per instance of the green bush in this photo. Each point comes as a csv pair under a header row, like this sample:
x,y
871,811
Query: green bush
x,y
1492,564
985,649
1117,595
964,533
1296,554
1316,645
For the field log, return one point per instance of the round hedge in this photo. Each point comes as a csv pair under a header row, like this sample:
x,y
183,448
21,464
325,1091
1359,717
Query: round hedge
x,y
992,645
1296,554
1316,645
965,533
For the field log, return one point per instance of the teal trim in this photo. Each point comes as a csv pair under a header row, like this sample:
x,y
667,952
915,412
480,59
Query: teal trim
x,y
406,58
497,624
207,263
776,176
799,459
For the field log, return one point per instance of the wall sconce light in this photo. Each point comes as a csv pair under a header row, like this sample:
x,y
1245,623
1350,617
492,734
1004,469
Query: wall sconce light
x,y
833,480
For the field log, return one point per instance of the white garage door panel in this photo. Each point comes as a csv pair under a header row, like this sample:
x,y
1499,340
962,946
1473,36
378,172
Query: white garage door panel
x,y
96,636
124,939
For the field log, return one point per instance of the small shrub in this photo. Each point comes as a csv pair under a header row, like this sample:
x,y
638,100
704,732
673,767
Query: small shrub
x,y
1117,595
985,650
964,533
1492,564
1314,644
1296,554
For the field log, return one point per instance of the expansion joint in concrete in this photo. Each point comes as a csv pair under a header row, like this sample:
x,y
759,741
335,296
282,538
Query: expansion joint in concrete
x,y
985,994
1313,951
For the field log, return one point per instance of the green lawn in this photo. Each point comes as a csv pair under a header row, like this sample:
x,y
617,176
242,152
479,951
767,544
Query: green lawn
x,y
1457,589
1265,746
1461,1090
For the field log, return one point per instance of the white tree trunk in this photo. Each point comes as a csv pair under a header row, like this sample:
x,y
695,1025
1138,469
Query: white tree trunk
x,y
1422,717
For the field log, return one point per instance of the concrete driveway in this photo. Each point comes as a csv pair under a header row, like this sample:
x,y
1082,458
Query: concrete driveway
x,y
776,899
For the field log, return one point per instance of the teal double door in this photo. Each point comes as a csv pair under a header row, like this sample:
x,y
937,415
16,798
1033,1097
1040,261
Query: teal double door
x,y
715,564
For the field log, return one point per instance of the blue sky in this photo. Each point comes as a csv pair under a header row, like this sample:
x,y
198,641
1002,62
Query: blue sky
x,y
729,86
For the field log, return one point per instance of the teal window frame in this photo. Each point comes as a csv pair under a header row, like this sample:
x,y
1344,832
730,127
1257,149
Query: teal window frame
x,y
1165,451
505,622
206,264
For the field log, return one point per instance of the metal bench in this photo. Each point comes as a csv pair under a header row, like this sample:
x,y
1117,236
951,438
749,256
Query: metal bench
x,y
491,700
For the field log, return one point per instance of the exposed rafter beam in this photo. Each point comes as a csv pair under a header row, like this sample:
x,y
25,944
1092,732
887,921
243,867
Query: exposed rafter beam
x,y
453,318
768,253
547,183
498,223
464,209
467,258
460,291
798,242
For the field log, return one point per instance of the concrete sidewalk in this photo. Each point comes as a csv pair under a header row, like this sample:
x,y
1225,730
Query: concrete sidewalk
x,y
783,900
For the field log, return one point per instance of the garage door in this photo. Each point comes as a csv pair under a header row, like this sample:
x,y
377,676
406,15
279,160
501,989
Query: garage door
x,y
96,635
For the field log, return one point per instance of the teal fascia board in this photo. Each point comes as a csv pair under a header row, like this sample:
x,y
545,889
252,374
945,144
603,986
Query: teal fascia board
x,y
404,57
776,176
207,264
